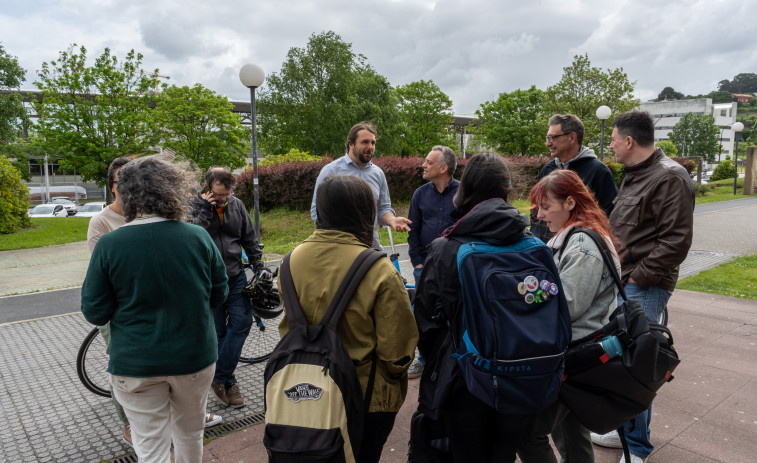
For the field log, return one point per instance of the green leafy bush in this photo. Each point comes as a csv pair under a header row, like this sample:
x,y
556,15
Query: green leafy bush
x,y
14,199
701,189
293,155
723,170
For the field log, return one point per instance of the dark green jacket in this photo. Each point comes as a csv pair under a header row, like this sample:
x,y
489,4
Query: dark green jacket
x,y
155,281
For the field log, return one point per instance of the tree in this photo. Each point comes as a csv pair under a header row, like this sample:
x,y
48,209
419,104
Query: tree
x,y
745,82
197,124
668,93
515,123
696,135
720,97
583,88
89,115
425,114
14,199
12,112
319,93
667,147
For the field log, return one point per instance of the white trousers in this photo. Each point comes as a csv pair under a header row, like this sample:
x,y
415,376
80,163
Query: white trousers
x,y
163,408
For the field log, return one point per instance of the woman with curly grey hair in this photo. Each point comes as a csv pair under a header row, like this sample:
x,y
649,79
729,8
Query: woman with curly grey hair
x,y
155,280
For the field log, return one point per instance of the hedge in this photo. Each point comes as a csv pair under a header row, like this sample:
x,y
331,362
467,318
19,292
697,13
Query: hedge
x,y
291,184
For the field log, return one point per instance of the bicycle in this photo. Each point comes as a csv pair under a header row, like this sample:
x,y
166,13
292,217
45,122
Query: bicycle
x,y
92,357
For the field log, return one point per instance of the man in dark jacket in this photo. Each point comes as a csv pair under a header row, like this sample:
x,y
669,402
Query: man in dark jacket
x,y
654,218
227,221
564,139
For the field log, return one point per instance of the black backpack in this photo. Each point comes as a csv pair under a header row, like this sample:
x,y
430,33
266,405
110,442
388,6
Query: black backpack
x,y
315,409
605,392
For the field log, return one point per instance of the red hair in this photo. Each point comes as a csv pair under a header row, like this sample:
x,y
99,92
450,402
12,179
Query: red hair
x,y
564,183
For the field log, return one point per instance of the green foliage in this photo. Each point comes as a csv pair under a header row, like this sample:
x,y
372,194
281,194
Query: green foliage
x,y
668,93
93,114
720,97
697,135
667,147
197,124
47,231
515,123
320,92
293,155
425,117
701,189
723,170
12,112
746,82
584,88
14,199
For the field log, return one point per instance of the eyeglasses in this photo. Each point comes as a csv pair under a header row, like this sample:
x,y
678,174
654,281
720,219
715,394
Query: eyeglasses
x,y
551,138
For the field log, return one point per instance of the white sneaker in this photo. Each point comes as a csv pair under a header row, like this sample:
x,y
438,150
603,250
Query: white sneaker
x,y
610,440
212,419
634,459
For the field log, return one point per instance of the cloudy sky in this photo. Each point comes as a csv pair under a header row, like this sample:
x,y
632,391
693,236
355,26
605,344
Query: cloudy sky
x,y
472,49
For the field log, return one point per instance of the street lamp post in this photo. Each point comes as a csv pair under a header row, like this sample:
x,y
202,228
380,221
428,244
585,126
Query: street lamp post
x,y
603,113
736,128
252,77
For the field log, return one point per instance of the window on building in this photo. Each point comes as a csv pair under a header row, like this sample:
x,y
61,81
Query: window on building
x,y
723,112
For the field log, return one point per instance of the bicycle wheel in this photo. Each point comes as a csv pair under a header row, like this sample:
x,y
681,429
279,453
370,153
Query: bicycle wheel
x,y
92,364
263,337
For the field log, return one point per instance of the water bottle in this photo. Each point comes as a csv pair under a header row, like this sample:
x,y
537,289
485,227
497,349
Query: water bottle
x,y
612,346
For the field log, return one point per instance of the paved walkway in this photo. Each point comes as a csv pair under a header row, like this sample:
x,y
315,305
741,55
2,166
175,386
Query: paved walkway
x,y
708,414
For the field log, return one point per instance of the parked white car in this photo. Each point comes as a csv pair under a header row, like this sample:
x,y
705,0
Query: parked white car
x,y
66,203
90,209
48,210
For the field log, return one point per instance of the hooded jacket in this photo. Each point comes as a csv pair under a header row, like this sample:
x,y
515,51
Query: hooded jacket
x,y
438,303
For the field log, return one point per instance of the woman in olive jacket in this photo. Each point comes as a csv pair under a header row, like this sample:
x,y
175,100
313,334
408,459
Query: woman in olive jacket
x,y
379,318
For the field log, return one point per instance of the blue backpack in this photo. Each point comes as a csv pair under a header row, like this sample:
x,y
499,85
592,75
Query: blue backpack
x,y
515,324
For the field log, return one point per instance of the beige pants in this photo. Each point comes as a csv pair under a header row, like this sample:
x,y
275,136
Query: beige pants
x,y
163,408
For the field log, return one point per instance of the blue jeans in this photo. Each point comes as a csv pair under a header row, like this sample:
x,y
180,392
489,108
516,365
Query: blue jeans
x,y
653,300
233,321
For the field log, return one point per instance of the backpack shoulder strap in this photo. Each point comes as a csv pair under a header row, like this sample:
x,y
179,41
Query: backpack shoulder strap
x,y
606,254
295,315
347,288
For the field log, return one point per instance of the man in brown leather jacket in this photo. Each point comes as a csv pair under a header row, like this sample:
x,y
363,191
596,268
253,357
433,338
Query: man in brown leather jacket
x,y
653,218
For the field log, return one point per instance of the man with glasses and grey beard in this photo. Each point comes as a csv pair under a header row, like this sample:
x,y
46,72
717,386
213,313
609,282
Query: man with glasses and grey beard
x,y
564,140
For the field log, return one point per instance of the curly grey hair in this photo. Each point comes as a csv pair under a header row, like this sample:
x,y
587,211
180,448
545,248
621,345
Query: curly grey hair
x,y
155,185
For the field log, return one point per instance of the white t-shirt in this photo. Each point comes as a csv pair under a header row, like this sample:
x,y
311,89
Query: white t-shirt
x,y
101,223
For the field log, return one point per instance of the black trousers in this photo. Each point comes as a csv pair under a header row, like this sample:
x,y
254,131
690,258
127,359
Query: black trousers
x,y
478,433
378,426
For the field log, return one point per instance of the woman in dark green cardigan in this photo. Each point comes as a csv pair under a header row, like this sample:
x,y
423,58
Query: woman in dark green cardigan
x,y
155,280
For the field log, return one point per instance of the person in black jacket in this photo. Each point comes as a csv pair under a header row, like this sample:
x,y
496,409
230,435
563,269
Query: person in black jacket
x,y
564,139
476,431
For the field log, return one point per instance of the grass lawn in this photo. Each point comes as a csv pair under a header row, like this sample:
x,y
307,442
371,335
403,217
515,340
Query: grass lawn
x,y
720,280
47,231
723,191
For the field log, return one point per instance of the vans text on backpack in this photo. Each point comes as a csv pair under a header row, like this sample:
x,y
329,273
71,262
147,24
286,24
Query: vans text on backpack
x,y
315,408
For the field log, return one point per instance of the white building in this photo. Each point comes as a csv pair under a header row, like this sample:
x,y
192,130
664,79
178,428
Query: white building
x,y
666,115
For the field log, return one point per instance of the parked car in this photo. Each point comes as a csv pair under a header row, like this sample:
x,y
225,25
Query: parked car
x,y
69,205
90,209
48,210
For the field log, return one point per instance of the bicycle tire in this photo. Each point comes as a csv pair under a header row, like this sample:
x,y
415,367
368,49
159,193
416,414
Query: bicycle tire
x,y
92,364
261,341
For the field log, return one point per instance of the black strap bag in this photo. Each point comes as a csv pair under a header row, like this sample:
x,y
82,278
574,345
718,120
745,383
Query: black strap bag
x,y
604,391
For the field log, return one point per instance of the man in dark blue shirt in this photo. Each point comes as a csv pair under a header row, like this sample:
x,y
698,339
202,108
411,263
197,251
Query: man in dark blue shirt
x,y
429,215
431,205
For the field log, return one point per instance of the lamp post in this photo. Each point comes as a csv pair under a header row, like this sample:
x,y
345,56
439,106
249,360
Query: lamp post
x,y
603,113
736,128
252,77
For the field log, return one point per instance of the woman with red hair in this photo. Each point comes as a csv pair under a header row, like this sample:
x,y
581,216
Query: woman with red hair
x,y
565,203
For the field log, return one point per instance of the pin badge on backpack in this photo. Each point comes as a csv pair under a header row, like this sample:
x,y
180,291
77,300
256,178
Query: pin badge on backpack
x,y
532,283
